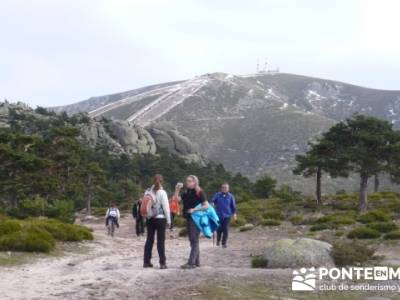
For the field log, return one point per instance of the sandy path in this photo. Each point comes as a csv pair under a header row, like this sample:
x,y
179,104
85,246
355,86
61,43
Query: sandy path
x,y
112,268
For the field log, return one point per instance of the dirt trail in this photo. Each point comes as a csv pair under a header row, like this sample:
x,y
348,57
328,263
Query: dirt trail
x,y
112,268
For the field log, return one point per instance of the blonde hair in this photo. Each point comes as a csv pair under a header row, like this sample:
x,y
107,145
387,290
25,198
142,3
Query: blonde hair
x,y
195,179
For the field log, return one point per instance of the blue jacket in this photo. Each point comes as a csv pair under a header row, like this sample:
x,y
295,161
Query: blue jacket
x,y
207,220
225,204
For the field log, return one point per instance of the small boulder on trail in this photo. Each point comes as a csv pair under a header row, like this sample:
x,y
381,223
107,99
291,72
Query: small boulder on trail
x,y
298,253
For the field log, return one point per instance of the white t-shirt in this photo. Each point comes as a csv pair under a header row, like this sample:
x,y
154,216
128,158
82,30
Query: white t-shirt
x,y
113,212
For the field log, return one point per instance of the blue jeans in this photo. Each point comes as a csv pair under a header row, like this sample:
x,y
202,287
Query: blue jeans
x,y
223,230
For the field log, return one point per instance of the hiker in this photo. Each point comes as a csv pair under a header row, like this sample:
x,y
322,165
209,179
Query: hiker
x,y
158,217
174,203
139,220
113,215
225,205
193,197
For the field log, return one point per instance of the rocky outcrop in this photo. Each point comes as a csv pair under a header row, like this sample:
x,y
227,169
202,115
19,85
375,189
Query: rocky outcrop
x,y
167,137
118,137
299,253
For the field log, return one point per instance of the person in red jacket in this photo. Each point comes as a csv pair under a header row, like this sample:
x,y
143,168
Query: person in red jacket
x,y
174,203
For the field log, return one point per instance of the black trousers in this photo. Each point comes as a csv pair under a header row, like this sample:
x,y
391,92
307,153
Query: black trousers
x,y
223,230
155,226
113,219
172,220
139,226
193,235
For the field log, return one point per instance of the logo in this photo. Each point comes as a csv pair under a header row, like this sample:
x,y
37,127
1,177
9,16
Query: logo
x,y
304,279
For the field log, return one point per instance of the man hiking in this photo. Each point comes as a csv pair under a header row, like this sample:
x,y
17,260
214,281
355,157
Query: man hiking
x,y
113,215
225,205
138,217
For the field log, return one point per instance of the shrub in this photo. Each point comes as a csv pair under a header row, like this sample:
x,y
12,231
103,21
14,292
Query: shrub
x,y
270,222
287,194
180,221
374,216
383,226
394,235
30,239
350,253
240,221
321,226
363,233
9,226
336,219
183,232
35,235
296,220
259,262
310,204
62,210
274,214
98,211
339,233
64,232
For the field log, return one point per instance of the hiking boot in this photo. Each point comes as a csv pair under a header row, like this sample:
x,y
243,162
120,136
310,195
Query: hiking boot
x,y
188,266
147,265
198,265
163,267
224,246
218,243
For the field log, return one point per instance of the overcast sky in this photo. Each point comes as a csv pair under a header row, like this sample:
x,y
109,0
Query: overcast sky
x,y
55,52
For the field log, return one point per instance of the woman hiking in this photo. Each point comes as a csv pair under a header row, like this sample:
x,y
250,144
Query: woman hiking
x,y
174,203
191,198
157,222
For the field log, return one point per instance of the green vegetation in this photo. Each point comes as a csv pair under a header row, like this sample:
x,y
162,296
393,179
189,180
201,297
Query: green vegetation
x,y
240,221
374,216
33,235
259,262
383,227
322,226
336,219
264,186
270,222
362,144
180,221
183,232
394,235
47,171
363,233
351,253
274,214
296,220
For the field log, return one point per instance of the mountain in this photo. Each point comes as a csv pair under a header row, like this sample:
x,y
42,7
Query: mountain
x,y
253,124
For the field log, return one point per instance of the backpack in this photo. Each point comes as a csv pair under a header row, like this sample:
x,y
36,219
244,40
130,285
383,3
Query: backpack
x,y
174,206
112,212
150,206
